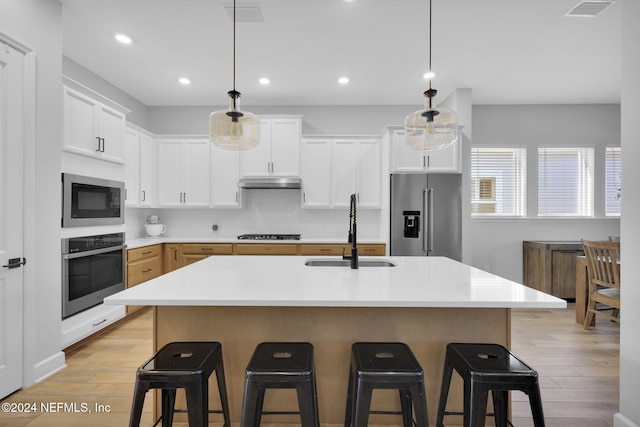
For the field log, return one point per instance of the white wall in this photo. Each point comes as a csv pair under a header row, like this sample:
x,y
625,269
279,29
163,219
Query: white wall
x,y
38,25
629,415
137,111
530,126
264,211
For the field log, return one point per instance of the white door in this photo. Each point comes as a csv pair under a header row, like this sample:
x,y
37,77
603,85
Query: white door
x,y
11,213
170,192
225,173
316,173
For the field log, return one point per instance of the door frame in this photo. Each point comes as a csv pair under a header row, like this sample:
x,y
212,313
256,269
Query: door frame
x,y
29,190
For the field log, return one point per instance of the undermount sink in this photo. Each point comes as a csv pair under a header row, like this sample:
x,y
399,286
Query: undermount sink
x,y
319,262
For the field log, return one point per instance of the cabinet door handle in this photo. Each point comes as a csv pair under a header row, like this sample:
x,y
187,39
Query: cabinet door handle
x,y
146,271
175,254
237,197
99,139
144,195
146,253
185,197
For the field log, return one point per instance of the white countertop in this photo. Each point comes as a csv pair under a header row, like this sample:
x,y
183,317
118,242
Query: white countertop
x,y
147,241
286,281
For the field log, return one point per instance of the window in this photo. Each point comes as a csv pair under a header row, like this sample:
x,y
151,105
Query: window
x,y
565,181
613,181
498,181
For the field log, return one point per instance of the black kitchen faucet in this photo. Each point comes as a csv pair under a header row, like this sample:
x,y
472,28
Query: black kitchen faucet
x,y
352,234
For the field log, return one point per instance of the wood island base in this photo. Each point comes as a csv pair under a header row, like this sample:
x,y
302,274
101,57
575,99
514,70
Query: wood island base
x,y
331,330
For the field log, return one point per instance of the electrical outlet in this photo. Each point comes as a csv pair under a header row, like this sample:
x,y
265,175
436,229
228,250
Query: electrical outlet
x,y
214,227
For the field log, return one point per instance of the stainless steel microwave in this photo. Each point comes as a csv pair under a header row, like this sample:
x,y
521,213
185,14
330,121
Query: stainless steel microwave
x,y
91,201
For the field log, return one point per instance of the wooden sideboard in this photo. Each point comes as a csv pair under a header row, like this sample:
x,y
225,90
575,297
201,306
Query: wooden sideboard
x,y
550,266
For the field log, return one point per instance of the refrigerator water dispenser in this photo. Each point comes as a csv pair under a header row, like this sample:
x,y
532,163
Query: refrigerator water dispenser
x,y
411,224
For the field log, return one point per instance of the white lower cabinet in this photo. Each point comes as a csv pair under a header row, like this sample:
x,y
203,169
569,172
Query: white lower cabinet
x,y
183,173
88,322
225,173
333,169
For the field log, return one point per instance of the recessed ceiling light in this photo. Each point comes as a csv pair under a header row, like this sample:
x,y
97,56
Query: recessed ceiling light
x,y
185,81
264,81
429,75
123,38
343,80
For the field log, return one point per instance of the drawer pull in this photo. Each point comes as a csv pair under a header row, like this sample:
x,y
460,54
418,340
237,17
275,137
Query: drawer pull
x,y
100,322
146,271
325,250
147,252
207,249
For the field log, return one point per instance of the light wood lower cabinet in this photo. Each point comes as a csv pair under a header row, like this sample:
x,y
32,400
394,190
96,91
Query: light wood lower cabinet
x,y
337,249
551,267
192,252
265,249
170,257
143,264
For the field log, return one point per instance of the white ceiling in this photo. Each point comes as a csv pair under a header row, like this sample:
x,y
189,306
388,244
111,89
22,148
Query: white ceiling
x,y
506,51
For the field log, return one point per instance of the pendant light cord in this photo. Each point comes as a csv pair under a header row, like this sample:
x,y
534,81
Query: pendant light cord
x,y
234,46
430,69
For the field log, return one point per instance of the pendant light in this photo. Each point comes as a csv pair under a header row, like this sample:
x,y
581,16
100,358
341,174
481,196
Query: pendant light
x,y
431,128
234,129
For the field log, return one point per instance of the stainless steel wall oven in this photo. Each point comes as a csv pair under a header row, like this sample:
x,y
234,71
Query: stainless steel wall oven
x,y
92,269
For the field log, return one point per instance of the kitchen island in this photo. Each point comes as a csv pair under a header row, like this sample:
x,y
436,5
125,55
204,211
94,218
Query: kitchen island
x,y
242,301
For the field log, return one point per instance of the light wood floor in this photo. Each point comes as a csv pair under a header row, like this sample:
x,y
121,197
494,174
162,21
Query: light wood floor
x,y
578,372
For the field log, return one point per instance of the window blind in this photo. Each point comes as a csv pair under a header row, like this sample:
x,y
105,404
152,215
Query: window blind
x,y
613,181
565,181
498,181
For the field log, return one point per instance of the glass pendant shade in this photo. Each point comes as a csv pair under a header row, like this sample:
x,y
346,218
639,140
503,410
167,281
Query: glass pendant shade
x,y
431,128
234,129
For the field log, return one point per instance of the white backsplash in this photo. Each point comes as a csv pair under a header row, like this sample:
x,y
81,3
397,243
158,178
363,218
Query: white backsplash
x,y
263,211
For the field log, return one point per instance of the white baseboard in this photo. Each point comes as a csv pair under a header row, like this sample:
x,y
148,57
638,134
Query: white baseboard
x,y
620,420
49,366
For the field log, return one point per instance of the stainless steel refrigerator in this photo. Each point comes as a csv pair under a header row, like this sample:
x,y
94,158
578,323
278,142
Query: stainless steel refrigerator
x,y
426,217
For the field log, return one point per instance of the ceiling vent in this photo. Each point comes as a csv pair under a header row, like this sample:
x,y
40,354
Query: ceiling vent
x,y
247,14
589,9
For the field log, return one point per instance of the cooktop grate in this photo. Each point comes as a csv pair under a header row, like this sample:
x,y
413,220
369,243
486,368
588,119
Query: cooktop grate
x,y
269,237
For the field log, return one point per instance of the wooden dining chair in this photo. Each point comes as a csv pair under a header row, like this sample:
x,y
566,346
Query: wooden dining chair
x,y
603,269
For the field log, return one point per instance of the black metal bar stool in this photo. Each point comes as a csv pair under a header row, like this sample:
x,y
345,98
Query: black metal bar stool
x,y
385,366
280,365
484,368
186,365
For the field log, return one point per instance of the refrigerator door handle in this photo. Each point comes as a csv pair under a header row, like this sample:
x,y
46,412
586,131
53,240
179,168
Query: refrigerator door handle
x,y
427,205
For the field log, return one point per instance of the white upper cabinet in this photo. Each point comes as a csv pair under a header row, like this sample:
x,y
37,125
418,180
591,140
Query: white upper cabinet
x,y
406,159
316,173
225,173
278,153
92,128
132,168
139,171
147,170
333,169
183,173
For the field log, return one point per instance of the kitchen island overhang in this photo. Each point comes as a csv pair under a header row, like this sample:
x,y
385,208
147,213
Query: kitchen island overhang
x,y
241,301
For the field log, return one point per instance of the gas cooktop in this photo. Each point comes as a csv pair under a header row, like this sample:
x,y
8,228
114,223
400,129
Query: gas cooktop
x,y
269,237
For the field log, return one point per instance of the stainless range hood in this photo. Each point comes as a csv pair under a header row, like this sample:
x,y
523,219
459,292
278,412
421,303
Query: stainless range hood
x,y
271,183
